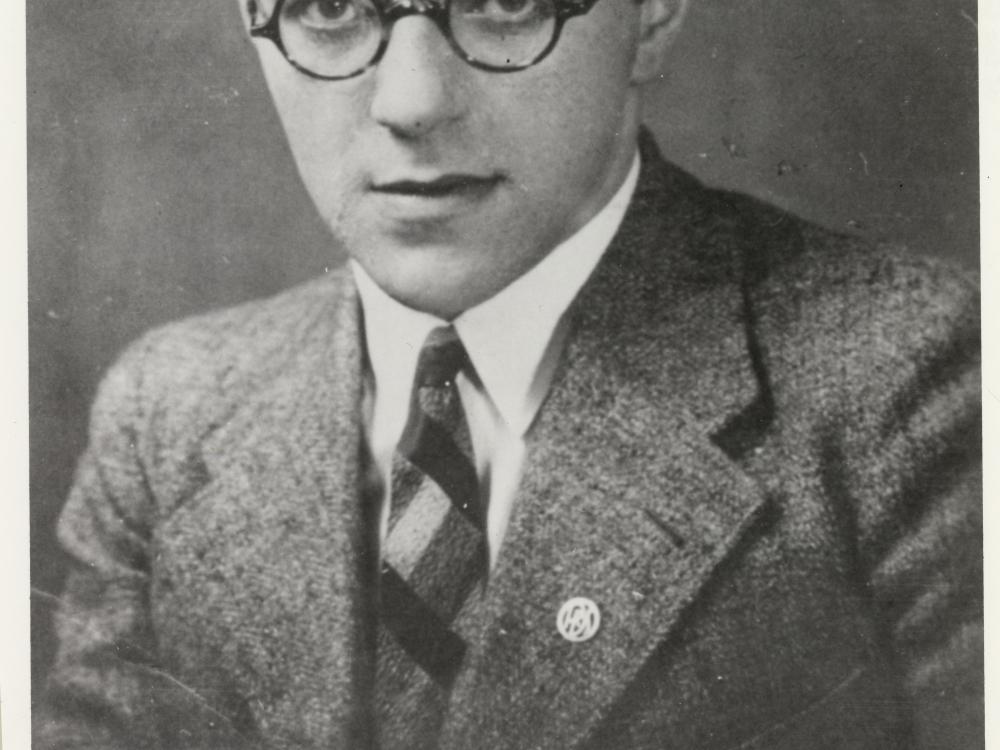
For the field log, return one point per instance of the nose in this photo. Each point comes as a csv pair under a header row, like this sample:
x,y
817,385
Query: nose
x,y
416,86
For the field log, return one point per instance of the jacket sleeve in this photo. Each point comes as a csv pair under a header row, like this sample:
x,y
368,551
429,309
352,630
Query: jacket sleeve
x,y
917,437
107,688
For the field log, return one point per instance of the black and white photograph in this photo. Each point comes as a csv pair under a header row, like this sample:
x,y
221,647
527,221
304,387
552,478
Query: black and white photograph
x,y
505,375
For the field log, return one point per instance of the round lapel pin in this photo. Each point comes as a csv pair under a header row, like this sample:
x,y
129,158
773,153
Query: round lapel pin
x,y
578,619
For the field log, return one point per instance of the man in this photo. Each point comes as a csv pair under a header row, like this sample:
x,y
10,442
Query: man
x,y
575,453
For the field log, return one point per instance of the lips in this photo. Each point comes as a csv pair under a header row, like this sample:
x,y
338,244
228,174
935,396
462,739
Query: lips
x,y
444,186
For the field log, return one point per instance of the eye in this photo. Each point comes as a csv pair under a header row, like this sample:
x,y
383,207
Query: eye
x,y
325,14
512,7
511,12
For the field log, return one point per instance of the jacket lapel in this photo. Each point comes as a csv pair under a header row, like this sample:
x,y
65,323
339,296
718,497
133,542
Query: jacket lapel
x,y
282,514
626,499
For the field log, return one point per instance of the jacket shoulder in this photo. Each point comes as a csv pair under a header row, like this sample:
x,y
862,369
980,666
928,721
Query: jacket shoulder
x,y
253,336
780,256
873,306
837,323
179,379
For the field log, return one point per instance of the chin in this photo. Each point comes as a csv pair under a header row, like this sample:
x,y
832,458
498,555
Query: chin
x,y
444,286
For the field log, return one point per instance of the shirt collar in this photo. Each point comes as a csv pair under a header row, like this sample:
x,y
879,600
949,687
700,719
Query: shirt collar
x,y
507,336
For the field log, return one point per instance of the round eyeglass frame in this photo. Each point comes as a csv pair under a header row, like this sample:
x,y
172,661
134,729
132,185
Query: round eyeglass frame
x,y
391,11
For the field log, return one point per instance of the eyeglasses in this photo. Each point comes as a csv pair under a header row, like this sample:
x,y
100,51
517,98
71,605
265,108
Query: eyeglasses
x,y
337,39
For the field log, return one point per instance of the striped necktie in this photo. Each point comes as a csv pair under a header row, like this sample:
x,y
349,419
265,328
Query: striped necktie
x,y
434,557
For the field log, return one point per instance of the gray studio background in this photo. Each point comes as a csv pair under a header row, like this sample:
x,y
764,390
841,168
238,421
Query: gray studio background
x,y
160,184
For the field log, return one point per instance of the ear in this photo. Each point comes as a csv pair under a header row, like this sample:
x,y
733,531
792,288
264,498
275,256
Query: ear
x,y
659,21
248,9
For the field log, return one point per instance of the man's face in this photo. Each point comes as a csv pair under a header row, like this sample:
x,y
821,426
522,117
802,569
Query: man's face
x,y
446,182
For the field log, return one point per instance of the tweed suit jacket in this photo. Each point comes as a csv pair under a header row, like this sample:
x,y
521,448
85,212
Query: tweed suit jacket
x,y
758,457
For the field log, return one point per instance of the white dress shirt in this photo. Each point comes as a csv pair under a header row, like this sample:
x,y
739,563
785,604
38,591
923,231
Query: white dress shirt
x,y
513,339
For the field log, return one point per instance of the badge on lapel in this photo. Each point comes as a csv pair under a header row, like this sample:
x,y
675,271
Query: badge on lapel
x,y
578,620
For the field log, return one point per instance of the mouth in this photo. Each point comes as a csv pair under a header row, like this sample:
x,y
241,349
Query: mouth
x,y
446,186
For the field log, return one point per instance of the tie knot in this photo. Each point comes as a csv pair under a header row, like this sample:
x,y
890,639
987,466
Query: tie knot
x,y
441,358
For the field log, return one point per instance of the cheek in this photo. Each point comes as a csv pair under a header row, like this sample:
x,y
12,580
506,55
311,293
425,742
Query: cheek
x,y
570,133
322,124
577,102
326,164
